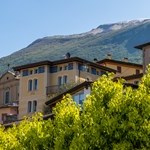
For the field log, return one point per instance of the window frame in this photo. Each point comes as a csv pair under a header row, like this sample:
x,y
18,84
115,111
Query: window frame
x,y
53,69
34,106
41,69
5,96
35,86
25,72
29,110
93,71
30,85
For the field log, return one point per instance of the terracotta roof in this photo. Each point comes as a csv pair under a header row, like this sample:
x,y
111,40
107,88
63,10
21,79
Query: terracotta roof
x,y
142,45
72,91
57,62
119,62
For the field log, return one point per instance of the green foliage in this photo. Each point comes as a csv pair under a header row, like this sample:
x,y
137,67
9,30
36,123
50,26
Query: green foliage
x,y
112,117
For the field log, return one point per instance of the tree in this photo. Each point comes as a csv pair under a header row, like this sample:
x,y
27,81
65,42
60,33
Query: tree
x,y
112,117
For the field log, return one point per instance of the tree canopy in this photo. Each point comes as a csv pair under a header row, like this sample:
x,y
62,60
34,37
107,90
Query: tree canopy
x,y
112,117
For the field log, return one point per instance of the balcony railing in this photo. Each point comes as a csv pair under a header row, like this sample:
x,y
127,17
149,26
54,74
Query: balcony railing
x,y
10,118
13,103
58,89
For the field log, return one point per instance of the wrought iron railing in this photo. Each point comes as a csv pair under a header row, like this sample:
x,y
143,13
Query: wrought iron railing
x,y
10,118
55,90
12,103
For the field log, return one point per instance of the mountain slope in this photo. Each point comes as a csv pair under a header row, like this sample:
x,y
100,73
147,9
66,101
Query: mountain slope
x,y
118,39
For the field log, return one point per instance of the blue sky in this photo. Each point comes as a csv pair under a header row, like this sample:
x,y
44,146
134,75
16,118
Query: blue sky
x,y
23,21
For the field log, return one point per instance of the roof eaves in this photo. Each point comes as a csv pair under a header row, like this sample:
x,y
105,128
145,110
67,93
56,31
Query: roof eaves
x,y
18,68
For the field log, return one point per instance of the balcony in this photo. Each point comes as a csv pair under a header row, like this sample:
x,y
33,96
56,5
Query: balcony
x,y
59,89
9,118
13,103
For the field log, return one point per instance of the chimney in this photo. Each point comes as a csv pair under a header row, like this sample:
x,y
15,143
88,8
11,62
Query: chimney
x,y
109,56
125,59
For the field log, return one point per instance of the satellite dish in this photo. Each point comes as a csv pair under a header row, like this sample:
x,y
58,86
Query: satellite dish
x,y
68,55
95,59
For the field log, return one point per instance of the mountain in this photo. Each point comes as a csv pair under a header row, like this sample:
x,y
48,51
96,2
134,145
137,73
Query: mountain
x,y
118,39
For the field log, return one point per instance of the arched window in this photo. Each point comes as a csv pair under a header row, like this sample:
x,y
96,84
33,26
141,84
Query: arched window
x,y
30,85
34,106
29,106
7,96
35,84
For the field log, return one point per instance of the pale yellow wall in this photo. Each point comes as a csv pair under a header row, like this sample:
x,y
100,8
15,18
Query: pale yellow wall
x,y
73,75
48,79
8,81
126,69
39,95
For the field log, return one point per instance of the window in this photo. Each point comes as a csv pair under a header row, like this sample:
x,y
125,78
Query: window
x,y
30,85
80,67
103,72
88,70
119,69
137,71
66,67
34,106
79,98
60,68
41,69
35,84
29,106
93,71
64,79
53,69
97,72
35,71
59,80
31,72
7,97
25,73
83,67
70,66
